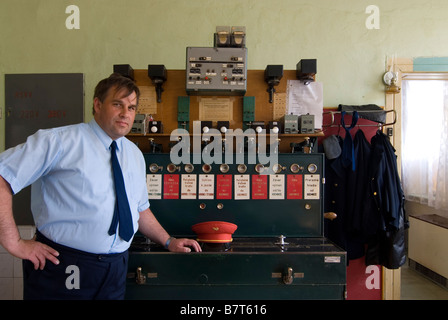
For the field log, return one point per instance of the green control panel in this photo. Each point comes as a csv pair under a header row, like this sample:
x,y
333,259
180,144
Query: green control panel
x,y
282,197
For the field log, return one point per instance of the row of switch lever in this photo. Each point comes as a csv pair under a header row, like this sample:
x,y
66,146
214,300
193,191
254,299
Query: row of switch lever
x,y
241,168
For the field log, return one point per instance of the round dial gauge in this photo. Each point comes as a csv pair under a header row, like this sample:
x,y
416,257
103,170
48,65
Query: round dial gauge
x,y
277,168
171,168
206,168
295,168
242,168
312,168
224,168
259,168
154,167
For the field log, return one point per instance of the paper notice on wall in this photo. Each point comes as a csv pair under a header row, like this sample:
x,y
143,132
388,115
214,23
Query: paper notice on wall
x,y
206,186
171,186
277,186
294,186
154,184
188,186
147,103
305,98
216,109
312,186
259,187
224,186
242,187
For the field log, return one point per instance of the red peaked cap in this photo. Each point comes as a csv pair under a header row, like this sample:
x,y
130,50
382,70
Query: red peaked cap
x,y
214,231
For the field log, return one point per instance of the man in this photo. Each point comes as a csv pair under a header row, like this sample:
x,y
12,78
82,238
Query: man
x,y
73,200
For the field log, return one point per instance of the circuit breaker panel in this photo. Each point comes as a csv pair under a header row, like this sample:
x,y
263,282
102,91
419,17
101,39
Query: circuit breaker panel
x,y
216,71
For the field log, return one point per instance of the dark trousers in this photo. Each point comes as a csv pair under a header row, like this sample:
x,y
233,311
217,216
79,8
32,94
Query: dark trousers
x,y
79,275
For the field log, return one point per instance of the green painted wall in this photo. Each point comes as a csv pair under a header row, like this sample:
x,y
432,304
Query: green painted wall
x,y
351,58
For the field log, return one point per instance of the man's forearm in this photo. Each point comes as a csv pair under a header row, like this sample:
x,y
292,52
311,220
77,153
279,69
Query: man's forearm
x,y
9,234
10,239
151,228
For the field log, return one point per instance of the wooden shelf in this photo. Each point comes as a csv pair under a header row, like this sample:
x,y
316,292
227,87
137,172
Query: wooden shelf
x,y
174,87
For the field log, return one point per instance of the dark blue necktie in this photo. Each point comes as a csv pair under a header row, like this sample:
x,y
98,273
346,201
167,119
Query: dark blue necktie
x,y
122,212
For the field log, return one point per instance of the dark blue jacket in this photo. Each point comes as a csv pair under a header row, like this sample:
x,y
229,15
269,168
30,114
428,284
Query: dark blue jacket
x,y
387,220
368,201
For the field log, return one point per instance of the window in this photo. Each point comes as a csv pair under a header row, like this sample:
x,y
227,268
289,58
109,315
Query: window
x,y
425,139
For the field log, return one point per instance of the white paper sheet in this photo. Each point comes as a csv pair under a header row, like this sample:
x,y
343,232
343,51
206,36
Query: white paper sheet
x,y
306,98
154,184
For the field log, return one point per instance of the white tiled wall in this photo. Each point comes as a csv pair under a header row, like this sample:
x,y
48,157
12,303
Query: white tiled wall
x,y
11,277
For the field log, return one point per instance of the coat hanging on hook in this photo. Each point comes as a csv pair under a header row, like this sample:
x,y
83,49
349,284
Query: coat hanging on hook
x,y
348,152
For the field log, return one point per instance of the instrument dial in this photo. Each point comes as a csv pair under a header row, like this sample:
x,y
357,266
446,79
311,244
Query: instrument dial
x,y
312,168
242,168
224,168
295,168
259,168
206,168
154,167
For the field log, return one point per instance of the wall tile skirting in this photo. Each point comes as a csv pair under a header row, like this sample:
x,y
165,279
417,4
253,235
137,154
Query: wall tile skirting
x,y
11,277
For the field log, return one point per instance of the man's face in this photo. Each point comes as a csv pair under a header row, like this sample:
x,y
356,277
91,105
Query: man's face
x,y
115,115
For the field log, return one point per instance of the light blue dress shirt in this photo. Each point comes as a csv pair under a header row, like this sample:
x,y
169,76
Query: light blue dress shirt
x,y
72,193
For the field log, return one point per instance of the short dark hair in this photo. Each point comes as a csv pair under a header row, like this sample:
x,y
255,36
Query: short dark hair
x,y
119,82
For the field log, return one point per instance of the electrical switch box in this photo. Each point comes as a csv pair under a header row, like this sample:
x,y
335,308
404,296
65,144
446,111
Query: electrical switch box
x,y
248,109
125,70
306,66
291,123
306,70
306,123
216,71
183,112
139,125
223,126
275,127
155,127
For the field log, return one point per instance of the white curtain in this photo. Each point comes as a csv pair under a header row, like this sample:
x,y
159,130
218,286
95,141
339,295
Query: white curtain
x,y
424,142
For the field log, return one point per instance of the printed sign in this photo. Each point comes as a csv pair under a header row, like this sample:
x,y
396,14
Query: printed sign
x,y
224,186
171,186
259,187
277,186
294,186
242,187
311,188
188,186
154,184
206,186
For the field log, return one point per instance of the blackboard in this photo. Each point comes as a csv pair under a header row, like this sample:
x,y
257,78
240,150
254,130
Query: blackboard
x,y
39,101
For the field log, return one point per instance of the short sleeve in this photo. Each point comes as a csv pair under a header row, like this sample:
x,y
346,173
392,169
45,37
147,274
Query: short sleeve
x,y
22,165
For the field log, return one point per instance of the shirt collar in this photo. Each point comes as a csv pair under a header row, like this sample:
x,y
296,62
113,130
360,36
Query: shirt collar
x,y
103,136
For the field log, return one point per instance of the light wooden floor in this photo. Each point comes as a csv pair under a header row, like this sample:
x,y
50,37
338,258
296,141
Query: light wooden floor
x,y
415,286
